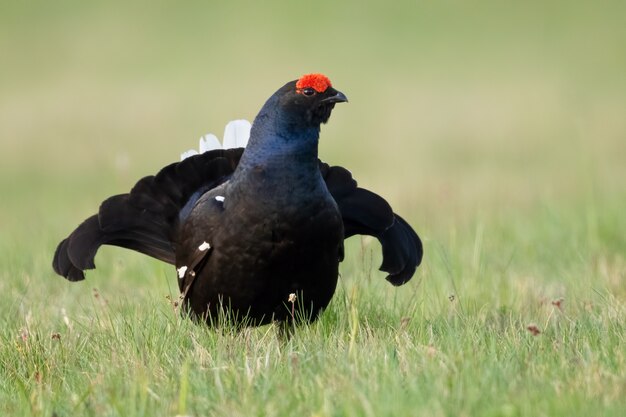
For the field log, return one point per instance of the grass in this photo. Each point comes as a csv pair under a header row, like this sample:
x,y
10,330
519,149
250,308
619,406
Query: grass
x,y
497,132
446,346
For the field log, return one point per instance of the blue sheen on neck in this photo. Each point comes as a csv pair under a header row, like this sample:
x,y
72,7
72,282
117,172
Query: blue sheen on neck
x,y
278,141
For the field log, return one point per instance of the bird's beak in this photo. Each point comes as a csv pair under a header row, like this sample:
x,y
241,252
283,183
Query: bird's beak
x,y
338,97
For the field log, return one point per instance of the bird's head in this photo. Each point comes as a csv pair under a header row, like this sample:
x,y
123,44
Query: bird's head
x,y
309,100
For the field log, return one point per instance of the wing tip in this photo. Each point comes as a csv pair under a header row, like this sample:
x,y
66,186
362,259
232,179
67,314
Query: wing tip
x,y
409,252
62,264
401,278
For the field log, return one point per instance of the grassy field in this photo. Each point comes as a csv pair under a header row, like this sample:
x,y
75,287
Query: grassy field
x,y
498,130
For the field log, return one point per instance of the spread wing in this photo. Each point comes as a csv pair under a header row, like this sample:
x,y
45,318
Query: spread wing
x,y
366,213
146,219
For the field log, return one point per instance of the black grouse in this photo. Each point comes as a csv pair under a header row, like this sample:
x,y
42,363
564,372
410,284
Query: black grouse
x,y
248,228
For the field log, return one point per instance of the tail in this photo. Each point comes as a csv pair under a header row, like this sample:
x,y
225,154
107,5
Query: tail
x,y
146,219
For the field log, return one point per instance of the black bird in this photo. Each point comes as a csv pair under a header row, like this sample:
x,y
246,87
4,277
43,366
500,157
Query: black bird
x,y
246,229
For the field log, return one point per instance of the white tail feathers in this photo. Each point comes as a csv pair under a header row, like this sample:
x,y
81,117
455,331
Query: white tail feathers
x,y
236,135
209,142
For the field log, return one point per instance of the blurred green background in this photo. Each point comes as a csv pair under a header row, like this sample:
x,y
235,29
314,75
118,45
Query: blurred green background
x,y
462,114
454,106
497,128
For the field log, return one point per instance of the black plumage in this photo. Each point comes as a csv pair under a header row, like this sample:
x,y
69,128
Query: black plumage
x,y
247,228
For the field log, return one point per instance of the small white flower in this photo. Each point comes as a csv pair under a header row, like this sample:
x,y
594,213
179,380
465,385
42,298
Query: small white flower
x,y
236,135
292,298
219,198
181,271
204,246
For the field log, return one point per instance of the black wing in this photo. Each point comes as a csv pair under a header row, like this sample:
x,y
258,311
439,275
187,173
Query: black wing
x,y
146,219
366,213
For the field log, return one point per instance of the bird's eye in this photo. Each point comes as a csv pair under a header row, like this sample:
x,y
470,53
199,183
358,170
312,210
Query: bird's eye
x,y
308,91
